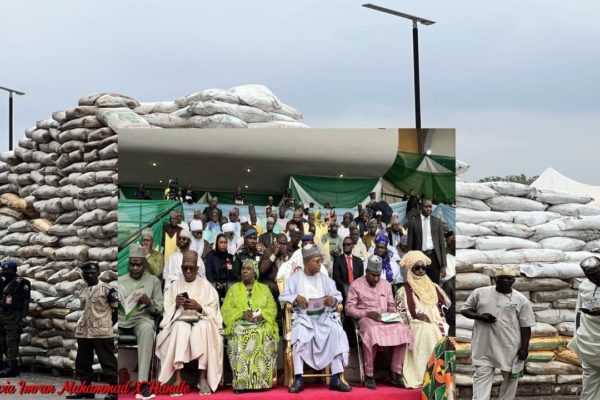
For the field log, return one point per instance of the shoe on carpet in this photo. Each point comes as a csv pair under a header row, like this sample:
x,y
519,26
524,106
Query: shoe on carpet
x,y
340,386
370,383
296,387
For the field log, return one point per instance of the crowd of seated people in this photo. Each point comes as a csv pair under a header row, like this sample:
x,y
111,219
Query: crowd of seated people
x,y
219,277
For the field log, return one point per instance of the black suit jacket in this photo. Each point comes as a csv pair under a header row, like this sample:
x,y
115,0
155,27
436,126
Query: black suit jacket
x,y
415,237
340,272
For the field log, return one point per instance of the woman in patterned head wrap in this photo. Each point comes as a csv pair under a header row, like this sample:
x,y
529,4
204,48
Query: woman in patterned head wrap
x,y
249,313
421,304
390,268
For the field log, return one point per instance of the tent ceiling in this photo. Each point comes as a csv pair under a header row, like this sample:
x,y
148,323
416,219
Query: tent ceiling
x,y
218,159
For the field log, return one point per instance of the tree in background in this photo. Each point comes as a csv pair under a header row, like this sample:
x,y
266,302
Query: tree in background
x,y
510,178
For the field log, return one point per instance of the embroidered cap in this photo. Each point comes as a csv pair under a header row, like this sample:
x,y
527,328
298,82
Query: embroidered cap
x,y
310,251
374,264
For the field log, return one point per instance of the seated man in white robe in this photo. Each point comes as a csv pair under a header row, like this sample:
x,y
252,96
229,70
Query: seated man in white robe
x,y
191,328
318,338
172,270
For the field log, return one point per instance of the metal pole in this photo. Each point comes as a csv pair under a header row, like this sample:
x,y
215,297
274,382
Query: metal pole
x,y
417,85
10,121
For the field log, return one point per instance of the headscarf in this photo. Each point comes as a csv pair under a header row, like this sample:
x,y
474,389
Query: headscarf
x,y
197,244
221,254
386,260
422,286
147,233
252,264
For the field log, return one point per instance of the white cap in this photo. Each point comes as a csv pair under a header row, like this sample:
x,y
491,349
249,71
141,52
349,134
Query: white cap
x,y
243,219
185,233
228,227
196,225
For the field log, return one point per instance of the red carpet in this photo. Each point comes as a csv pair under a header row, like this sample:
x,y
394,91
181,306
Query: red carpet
x,y
311,392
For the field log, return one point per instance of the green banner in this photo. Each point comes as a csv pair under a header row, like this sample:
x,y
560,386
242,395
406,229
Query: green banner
x,y
338,192
404,174
134,215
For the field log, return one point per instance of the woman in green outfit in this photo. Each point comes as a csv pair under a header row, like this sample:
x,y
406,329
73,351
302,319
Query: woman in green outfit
x,y
249,313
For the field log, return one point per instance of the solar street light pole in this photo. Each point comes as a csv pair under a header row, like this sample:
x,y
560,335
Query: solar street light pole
x,y
415,36
10,113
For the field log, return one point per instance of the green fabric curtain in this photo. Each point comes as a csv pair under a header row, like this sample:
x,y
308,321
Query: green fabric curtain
x,y
446,161
338,192
404,176
135,214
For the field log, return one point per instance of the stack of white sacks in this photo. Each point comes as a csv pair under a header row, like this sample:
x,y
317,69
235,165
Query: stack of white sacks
x,y
542,233
58,197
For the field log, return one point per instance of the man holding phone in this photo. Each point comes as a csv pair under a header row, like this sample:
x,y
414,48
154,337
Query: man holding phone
x,y
586,342
192,326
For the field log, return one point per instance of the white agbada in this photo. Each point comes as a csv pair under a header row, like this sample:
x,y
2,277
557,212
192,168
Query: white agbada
x,y
172,270
197,244
343,232
317,340
293,264
180,342
586,342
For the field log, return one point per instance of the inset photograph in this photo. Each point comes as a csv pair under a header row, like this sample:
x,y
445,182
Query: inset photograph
x,y
270,261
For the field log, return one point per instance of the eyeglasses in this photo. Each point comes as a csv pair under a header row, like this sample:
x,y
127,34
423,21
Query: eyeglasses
x,y
188,268
419,267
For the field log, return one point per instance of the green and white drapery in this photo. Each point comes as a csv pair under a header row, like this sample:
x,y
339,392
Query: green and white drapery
x,y
135,215
338,192
430,175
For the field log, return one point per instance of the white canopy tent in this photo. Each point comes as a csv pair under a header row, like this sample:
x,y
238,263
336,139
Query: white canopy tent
x,y
551,179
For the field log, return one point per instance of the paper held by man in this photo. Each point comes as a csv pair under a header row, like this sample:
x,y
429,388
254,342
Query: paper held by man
x,y
129,304
390,318
316,306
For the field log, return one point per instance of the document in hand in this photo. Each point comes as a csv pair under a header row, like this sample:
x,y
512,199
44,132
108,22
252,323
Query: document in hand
x,y
316,306
130,304
389,318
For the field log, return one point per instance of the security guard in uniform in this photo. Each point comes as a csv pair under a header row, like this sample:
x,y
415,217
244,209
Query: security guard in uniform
x,y
14,304
94,330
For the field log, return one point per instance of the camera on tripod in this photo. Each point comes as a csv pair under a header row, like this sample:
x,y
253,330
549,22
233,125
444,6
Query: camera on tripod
x,y
173,190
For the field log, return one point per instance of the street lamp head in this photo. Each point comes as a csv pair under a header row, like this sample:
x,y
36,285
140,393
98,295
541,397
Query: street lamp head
x,y
11,91
399,14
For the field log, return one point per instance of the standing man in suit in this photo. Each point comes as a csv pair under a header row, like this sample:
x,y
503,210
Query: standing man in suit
x,y
346,267
426,234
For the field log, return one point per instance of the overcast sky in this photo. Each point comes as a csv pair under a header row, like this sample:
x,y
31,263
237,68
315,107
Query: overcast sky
x,y
517,79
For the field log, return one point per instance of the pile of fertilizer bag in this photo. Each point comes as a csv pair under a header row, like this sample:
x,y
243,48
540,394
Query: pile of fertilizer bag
x,y
58,197
543,234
